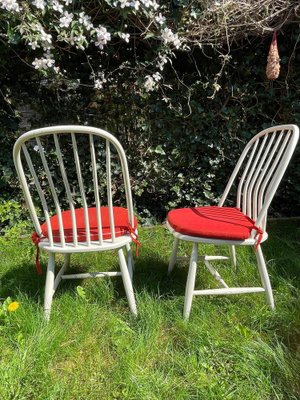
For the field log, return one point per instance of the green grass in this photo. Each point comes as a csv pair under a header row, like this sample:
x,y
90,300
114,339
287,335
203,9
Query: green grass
x,y
233,347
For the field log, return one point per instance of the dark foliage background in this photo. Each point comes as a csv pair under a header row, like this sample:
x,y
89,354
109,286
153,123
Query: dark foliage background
x,y
177,157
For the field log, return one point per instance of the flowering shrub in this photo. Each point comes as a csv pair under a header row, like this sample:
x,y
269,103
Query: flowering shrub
x,y
52,30
110,34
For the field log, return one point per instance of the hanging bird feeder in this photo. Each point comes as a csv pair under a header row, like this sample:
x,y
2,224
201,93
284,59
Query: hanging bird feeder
x,y
273,66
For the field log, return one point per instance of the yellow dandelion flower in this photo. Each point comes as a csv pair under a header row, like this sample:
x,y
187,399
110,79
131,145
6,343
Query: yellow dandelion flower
x,y
13,306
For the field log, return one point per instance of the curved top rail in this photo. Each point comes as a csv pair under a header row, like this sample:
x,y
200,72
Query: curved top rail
x,y
266,156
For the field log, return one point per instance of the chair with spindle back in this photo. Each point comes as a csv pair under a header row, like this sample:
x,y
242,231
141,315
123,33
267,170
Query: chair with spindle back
x,y
257,175
72,173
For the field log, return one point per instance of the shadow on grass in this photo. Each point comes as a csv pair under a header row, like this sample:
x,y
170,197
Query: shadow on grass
x,y
282,251
22,278
150,275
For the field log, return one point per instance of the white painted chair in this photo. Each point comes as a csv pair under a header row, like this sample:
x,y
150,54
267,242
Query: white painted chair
x,y
48,155
256,177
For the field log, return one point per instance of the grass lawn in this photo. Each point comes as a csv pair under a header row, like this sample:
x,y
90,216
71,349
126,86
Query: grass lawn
x,y
233,347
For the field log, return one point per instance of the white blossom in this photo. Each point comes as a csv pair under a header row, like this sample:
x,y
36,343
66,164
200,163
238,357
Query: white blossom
x,y
102,37
10,5
162,61
150,4
124,3
37,149
57,6
79,41
44,63
135,4
46,37
85,20
160,19
156,76
147,3
67,2
151,82
98,84
65,20
34,45
169,37
125,36
39,4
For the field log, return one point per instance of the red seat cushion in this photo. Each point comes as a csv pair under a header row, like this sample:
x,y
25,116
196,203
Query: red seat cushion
x,y
122,226
227,223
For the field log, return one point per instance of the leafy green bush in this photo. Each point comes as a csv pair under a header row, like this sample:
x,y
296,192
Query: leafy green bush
x,y
13,219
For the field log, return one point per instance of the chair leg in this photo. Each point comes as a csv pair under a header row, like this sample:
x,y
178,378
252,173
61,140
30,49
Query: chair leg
x,y
190,283
127,282
67,259
265,277
130,261
232,255
63,269
49,288
173,255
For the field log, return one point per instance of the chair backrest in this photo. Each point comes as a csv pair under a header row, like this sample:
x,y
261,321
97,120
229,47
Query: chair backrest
x,y
260,169
66,166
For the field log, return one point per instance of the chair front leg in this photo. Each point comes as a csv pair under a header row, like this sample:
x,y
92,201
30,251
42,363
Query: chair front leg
x,y
173,255
127,282
49,287
265,277
190,283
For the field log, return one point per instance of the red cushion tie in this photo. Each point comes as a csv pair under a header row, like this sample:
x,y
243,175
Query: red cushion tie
x,y
36,240
134,238
259,236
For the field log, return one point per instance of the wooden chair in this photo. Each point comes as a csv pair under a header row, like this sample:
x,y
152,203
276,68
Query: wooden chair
x,y
62,170
257,175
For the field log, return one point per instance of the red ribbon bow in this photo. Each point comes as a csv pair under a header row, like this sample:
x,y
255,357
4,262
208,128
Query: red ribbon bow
x,y
36,240
259,236
135,239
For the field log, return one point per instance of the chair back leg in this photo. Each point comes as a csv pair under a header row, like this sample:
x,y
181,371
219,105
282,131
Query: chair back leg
x,y
63,269
190,283
127,282
264,276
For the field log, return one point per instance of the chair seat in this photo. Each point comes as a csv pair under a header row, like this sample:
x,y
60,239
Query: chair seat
x,y
227,223
121,222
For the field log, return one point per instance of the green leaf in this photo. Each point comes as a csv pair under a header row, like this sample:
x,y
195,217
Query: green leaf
x,y
81,293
